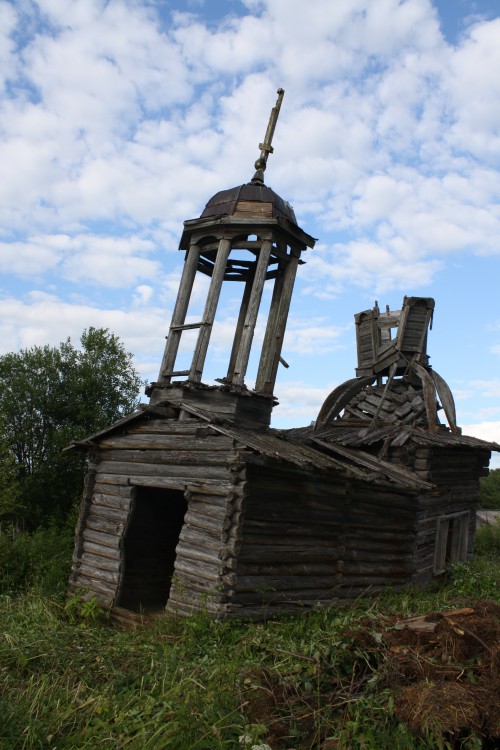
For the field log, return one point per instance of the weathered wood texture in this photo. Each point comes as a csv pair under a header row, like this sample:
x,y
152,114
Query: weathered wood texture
x,y
457,474
159,453
309,537
260,533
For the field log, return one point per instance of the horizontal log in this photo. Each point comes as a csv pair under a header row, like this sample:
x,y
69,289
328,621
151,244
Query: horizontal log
x,y
108,513
195,520
297,486
166,426
374,580
188,473
363,545
99,537
286,554
202,501
181,458
305,595
192,443
257,538
284,582
195,576
375,568
304,516
101,551
214,489
99,562
265,570
423,452
180,483
201,537
112,501
114,528
185,552
106,591
91,571
322,528
109,479
113,490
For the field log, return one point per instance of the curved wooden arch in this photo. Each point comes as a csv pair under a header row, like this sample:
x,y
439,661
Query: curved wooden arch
x,y
340,397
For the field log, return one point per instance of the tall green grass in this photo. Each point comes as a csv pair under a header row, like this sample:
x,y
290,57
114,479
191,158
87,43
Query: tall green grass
x,y
304,682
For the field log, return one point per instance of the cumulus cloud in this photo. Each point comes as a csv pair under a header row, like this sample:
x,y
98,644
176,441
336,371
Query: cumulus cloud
x,y
485,430
118,120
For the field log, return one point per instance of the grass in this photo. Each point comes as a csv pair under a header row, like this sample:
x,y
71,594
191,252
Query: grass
x,y
309,682
306,683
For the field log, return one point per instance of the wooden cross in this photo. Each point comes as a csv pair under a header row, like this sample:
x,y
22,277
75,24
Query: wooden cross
x,y
266,148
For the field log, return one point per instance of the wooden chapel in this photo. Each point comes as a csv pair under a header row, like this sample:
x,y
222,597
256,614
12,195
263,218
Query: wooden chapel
x,y
194,502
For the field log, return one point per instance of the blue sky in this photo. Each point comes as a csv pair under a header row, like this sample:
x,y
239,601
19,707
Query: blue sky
x,y
120,119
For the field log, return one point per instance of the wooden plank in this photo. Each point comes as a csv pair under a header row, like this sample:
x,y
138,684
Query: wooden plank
x,y
112,501
96,574
105,589
104,526
101,551
100,537
167,442
190,473
180,483
112,490
170,457
99,510
101,563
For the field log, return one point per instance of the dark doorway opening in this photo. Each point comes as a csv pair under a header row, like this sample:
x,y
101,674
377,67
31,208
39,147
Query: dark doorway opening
x,y
149,548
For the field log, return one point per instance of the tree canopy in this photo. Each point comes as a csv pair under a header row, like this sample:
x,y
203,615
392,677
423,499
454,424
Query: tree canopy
x,y
51,396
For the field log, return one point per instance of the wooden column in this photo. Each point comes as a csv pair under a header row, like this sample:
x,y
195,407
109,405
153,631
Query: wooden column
x,y
218,272
179,314
239,326
252,312
278,315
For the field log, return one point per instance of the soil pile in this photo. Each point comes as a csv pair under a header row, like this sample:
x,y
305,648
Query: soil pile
x,y
444,670
439,674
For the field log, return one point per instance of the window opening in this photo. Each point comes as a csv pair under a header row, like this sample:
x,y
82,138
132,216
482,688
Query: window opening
x,y
451,540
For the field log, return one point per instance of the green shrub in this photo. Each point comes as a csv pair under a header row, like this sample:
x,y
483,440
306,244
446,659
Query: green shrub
x,y
489,494
40,560
487,539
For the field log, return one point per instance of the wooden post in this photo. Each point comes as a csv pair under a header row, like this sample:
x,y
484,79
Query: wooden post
x,y
273,340
239,326
271,324
179,314
218,272
252,312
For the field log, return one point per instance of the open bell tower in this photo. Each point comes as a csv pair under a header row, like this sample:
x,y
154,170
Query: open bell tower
x,y
253,218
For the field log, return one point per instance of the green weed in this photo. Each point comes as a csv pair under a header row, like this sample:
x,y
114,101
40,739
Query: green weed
x,y
312,682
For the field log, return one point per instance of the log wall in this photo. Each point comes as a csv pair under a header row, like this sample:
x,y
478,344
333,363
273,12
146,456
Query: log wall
x,y
262,536
456,472
170,454
309,538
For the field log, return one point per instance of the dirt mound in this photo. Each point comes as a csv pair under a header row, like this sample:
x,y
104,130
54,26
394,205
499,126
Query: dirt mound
x,y
444,670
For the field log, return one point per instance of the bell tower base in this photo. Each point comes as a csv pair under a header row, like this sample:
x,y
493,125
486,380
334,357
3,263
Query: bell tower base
x,y
246,408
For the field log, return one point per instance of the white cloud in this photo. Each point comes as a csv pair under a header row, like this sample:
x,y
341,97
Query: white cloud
x,y
120,121
489,431
299,403
45,319
488,388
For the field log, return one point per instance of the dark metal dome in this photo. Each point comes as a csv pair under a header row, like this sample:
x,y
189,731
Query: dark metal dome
x,y
239,200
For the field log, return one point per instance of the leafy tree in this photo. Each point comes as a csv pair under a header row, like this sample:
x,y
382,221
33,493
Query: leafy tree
x,y
10,496
51,396
489,496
